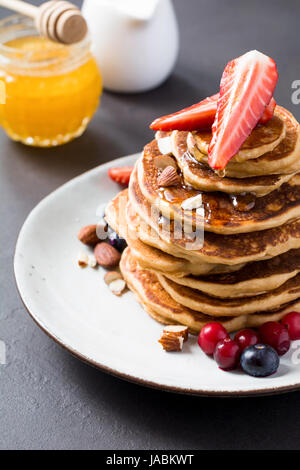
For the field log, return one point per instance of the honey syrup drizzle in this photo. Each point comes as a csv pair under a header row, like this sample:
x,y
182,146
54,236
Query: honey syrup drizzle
x,y
213,210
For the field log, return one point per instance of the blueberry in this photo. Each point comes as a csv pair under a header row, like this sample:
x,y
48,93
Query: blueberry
x,y
115,241
259,360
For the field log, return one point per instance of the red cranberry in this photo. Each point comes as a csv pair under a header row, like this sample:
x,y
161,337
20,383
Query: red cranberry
x,y
276,335
292,322
227,354
246,337
210,335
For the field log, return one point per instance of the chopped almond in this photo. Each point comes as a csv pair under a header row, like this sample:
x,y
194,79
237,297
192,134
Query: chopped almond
x,y
171,342
117,286
111,276
177,330
82,259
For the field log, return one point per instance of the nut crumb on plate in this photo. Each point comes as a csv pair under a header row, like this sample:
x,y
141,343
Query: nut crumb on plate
x,y
171,342
111,276
92,262
117,286
82,259
177,330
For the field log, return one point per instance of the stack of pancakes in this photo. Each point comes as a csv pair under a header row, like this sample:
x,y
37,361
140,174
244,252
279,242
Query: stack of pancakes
x,y
234,257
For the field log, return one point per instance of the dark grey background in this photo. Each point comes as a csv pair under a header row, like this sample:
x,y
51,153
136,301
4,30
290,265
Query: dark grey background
x,y
48,399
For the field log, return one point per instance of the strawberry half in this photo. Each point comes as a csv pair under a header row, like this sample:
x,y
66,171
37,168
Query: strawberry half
x,y
268,112
200,116
246,88
120,175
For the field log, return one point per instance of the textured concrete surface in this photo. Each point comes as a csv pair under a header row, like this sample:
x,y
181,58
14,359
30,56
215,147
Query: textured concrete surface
x,y
50,399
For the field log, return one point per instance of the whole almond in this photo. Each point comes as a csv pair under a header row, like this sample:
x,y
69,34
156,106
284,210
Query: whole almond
x,y
168,177
106,255
88,235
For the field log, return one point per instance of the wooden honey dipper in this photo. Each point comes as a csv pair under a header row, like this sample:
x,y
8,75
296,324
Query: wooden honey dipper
x,y
58,20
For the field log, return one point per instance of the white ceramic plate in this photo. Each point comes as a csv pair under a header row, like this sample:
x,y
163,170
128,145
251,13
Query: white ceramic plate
x,y
76,308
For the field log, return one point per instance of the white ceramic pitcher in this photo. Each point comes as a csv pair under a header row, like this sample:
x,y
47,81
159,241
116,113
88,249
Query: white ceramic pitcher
x,y
135,42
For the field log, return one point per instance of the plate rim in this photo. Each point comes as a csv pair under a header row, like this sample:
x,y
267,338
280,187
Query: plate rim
x,y
114,372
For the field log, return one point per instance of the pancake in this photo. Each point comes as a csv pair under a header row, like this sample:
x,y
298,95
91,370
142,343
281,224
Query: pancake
x,y
125,222
214,306
263,139
230,323
158,303
221,214
217,249
253,279
235,256
159,260
151,294
201,176
283,159
156,260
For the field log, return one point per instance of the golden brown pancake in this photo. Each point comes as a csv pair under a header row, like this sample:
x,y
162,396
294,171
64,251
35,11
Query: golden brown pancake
x,y
155,253
264,138
150,293
217,249
284,159
252,279
251,321
126,223
201,176
214,306
243,268
158,303
221,213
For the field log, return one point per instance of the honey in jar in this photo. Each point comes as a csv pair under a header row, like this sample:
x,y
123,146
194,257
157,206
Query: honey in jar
x,y
51,90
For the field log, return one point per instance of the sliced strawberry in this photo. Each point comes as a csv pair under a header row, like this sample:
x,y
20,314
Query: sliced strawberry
x,y
120,174
200,116
246,88
268,112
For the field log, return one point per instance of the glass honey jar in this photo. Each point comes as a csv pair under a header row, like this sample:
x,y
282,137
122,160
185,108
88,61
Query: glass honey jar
x,y
51,90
